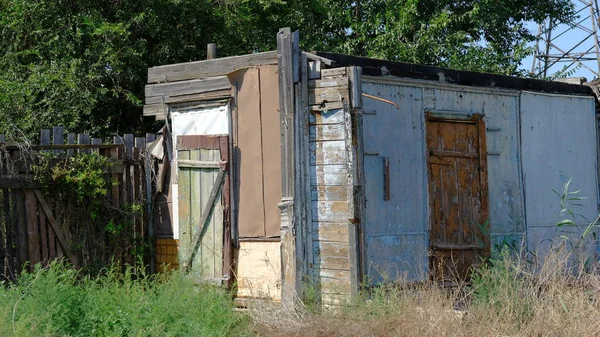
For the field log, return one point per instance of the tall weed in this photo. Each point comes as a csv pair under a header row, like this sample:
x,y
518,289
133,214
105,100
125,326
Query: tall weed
x,y
58,301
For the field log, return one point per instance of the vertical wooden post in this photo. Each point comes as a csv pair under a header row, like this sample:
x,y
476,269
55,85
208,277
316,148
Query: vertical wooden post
x,y
81,140
21,228
150,137
58,134
211,51
285,51
33,238
356,239
70,140
45,137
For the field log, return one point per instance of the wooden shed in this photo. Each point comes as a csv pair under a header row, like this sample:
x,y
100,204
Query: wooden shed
x,y
298,169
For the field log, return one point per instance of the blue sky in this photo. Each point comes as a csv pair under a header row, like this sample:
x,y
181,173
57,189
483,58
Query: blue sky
x,y
568,40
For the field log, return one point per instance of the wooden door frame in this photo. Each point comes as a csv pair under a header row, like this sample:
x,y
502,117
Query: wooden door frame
x,y
478,120
221,143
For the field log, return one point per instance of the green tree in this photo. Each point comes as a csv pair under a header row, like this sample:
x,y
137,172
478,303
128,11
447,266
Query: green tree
x,y
83,63
478,35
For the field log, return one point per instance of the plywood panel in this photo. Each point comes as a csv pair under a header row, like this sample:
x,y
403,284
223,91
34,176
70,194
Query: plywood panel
x,y
259,269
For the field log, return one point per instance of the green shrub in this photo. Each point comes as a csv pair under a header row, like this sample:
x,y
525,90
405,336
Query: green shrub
x,y
58,301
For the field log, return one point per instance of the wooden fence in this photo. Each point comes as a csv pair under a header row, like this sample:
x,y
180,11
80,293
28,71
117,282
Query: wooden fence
x,y
32,226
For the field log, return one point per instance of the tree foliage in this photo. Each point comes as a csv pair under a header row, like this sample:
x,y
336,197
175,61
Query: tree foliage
x,y
83,63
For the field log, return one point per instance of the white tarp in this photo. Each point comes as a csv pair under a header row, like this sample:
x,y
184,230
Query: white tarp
x,y
200,121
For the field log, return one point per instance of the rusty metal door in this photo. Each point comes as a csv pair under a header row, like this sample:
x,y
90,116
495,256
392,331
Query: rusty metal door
x,y
458,198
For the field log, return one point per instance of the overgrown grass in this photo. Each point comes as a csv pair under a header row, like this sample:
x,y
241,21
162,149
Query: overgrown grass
x,y
57,301
507,297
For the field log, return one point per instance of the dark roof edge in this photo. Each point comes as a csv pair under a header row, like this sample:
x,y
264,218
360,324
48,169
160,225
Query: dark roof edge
x,y
373,67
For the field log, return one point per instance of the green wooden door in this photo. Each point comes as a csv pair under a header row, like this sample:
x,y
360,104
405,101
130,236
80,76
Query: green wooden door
x,y
202,204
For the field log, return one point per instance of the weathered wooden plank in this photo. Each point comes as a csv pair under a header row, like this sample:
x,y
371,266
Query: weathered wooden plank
x,y
335,116
333,72
21,227
331,232
332,211
328,153
330,248
334,276
327,132
330,175
70,141
314,70
51,239
208,225
128,139
83,140
57,231
185,223
188,87
333,263
286,101
339,81
198,164
328,94
58,137
156,109
155,105
208,68
329,193
136,195
45,137
33,237
325,106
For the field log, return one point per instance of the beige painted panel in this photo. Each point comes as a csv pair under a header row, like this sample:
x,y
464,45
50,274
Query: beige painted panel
x,y
259,269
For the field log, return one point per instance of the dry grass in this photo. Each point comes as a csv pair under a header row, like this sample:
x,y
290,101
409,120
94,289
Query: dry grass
x,y
509,297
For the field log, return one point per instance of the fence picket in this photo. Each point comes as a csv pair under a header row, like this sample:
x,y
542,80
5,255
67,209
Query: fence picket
x,y
31,227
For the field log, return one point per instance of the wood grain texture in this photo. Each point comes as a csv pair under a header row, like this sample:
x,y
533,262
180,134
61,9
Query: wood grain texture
x,y
458,195
208,68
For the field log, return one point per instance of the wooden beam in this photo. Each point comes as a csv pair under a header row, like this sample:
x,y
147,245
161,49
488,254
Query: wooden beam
x,y
188,87
203,96
208,68
59,234
211,51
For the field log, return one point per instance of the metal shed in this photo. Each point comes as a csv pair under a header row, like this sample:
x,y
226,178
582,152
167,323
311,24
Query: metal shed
x,y
339,170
